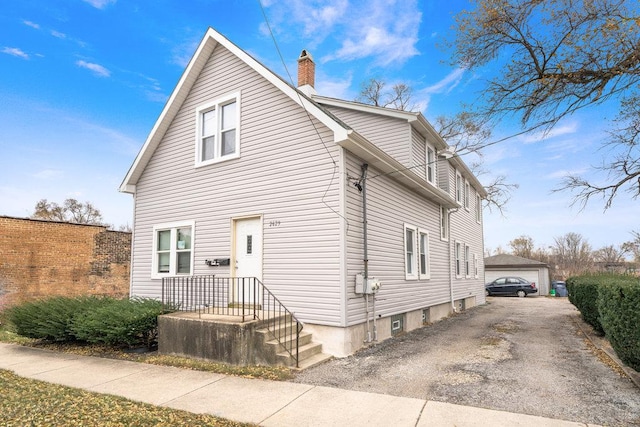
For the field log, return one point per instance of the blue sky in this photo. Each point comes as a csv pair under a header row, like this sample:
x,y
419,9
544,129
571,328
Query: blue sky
x,y
83,81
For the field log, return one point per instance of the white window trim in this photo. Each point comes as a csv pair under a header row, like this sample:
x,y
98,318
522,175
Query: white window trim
x,y
216,104
427,273
457,259
478,209
415,265
475,266
459,187
467,261
433,164
467,195
444,224
173,261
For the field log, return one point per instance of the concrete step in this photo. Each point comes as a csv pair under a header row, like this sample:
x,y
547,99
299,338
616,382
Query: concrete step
x,y
305,352
312,361
269,337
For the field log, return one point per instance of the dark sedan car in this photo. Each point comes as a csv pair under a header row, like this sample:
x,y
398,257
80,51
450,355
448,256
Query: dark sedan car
x,y
510,286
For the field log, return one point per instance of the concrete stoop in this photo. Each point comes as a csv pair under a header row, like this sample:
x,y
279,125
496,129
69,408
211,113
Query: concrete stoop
x,y
227,339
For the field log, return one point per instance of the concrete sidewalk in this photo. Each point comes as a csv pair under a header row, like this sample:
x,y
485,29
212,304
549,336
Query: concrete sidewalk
x,y
267,403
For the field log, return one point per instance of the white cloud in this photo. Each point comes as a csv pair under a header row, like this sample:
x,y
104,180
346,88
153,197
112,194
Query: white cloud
x,y
447,84
100,4
181,54
335,88
97,69
58,34
14,51
31,24
48,174
385,30
567,129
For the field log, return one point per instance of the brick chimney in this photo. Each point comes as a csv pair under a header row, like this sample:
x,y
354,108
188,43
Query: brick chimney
x,y
306,73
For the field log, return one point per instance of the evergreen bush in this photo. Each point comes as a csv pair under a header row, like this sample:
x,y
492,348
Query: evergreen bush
x,y
619,308
583,293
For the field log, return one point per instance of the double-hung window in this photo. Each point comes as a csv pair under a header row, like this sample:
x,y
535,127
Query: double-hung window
x,y
425,270
458,255
172,249
467,194
432,164
459,187
478,208
411,254
218,135
444,223
467,261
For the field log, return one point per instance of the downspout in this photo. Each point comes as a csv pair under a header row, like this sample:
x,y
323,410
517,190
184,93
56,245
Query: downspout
x,y
363,180
451,249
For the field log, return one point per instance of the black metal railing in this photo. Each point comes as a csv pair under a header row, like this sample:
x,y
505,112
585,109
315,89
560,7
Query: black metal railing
x,y
244,297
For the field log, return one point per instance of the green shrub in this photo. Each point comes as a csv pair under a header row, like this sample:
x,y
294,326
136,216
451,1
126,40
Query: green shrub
x,y
583,293
619,307
50,319
121,323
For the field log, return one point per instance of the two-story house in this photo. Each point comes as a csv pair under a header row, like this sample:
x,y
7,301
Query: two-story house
x,y
358,218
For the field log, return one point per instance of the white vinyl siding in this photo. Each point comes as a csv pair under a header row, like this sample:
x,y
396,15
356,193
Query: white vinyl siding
x,y
389,207
285,174
392,135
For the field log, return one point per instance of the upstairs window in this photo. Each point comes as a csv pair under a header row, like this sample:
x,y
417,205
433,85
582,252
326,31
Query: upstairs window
x,y
467,195
432,163
478,209
218,135
459,187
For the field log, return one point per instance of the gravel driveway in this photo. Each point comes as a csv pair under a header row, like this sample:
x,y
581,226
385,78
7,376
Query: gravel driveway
x,y
523,355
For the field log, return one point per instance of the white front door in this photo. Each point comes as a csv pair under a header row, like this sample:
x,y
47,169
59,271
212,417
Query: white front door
x,y
248,257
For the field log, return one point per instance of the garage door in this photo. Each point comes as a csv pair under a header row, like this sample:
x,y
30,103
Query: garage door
x,y
530,275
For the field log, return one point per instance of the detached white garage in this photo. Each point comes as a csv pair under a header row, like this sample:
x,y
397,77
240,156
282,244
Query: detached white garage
x,y
510,265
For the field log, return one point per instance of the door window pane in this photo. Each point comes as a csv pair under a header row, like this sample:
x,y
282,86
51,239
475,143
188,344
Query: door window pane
x,y
249,244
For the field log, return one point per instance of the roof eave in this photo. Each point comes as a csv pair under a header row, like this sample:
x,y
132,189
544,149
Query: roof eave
x,y
386,164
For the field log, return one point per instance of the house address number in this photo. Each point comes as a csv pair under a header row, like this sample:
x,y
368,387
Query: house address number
x,y
275,223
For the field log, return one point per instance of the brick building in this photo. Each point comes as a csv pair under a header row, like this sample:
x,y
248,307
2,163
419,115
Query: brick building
x,y
47,258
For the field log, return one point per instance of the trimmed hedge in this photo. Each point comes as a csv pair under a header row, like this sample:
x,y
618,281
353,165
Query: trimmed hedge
x,y
619,308
611,304
583,293
88,319
122,322
50,319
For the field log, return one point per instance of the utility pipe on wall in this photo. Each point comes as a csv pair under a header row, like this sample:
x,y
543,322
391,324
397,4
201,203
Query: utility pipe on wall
x,y
363,180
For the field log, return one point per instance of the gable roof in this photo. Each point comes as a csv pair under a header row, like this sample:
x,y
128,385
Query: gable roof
x,y
343,135
506,260
210,40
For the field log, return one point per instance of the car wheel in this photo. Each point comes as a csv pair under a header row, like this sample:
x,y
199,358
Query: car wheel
x,y
487,293
522,293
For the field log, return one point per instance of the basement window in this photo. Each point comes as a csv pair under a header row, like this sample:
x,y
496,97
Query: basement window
x,y
397,324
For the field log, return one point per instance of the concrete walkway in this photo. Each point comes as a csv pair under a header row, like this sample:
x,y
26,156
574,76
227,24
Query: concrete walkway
x,y
267,403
